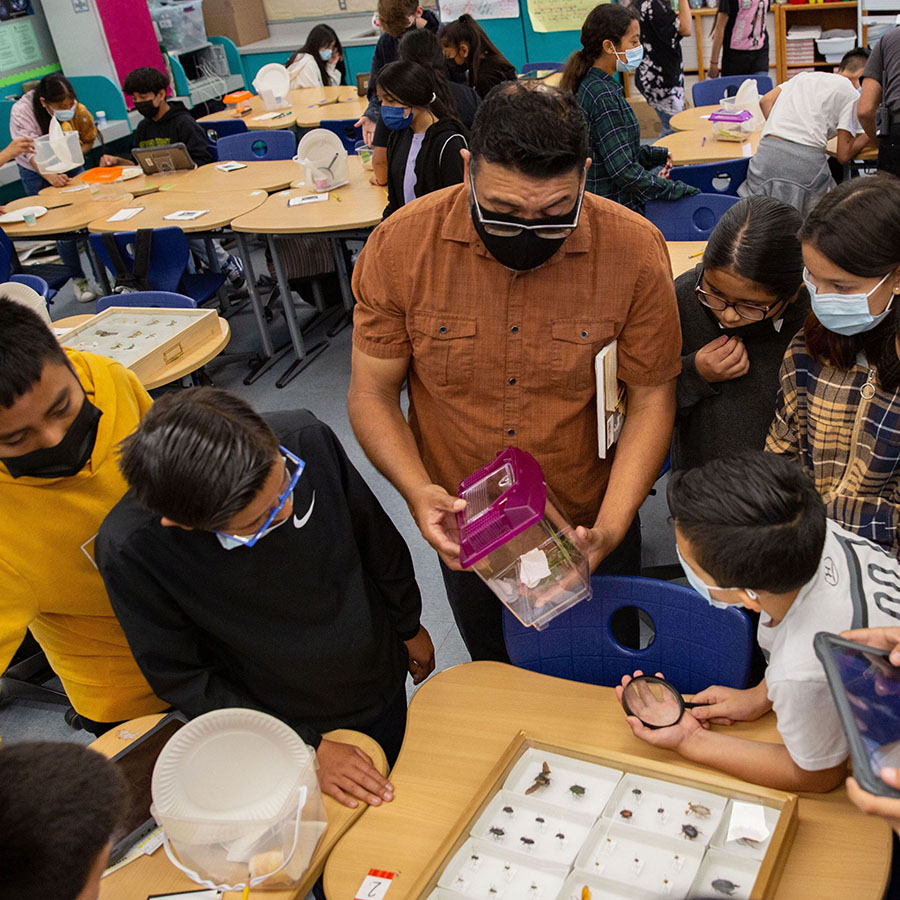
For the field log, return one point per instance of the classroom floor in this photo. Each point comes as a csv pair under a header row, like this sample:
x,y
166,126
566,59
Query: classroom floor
x,y
322,388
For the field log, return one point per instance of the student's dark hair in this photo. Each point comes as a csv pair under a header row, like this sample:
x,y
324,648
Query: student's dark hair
x,y
53,88
854,59
199,457
423,47
26,346
320,37
539,130
857,227
607,22
465,30
415,85
757,239
60,805
393,15
145,80
753,520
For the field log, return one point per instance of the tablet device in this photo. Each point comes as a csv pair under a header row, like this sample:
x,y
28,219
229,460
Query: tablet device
x,y
136,762
866,690
160,160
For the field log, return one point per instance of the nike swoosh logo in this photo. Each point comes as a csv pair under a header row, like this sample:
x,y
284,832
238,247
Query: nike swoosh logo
x,y
299,523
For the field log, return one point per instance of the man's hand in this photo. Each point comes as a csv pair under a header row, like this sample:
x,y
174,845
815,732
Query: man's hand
x,y
109,160
349,775
671,738
595,543
421,655
722,359
879,638
435,513
886,808
368,128
57,180
725,706
713,70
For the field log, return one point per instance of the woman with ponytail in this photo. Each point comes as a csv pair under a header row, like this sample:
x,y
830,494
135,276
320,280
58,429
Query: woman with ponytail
x,y
611,42
426,137
473,57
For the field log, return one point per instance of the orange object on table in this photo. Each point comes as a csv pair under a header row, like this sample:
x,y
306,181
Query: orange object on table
x,y
236,97
102,174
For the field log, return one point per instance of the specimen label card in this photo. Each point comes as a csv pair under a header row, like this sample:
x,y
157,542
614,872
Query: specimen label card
x,y
374,885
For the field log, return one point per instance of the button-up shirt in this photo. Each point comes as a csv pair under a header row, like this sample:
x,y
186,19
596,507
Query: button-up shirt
x,y
499,357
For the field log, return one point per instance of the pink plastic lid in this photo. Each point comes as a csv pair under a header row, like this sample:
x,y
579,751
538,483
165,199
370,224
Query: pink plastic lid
x,y
503,499
725,116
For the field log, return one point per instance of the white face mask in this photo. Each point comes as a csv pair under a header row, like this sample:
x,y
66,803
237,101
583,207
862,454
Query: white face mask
x,y
230,543
701,587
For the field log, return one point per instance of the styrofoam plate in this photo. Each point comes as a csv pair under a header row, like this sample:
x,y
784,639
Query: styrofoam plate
x,y
229,764
18,215
130,172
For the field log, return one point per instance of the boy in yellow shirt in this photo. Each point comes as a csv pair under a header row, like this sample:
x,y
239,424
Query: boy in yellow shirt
x,y
62,413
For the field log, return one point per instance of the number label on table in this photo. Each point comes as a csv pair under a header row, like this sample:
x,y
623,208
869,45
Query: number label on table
x,y
374,885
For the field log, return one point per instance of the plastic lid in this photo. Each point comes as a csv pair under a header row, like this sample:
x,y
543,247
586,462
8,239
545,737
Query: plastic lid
x,y
237,97
503,499
728,116
102,174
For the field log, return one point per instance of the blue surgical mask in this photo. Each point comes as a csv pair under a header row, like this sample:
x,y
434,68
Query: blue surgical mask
x,y
845,313
64,115
230,543
701,587
393,117
325,54
633,58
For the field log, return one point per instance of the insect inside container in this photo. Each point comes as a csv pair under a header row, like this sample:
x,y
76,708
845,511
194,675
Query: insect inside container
x,y
542,779
527,841
496,833
586,893
154,322
116,346
724,886
137,333
560,836
508,810
626,813
474,860
493,890
540,820
747,842
101,333
637,793
699,810
690,832
577,791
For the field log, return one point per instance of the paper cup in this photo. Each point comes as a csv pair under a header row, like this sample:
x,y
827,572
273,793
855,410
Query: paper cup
x,y
29,218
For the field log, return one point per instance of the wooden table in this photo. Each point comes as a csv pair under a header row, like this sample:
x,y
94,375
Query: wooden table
x,y
870,153
690,147
692,119
263,175
683,255
154,874
55,196
463,719
180,367
137,187
61,221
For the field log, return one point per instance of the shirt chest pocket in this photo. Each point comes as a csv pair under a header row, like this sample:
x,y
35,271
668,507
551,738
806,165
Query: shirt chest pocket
x,y
573,346
444,347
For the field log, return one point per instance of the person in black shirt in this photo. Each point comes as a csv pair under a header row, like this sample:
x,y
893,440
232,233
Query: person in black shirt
x,y
474,58
740,34
251,566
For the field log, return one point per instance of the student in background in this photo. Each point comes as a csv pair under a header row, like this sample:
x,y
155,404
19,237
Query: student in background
x,y
30,117
881,91
838,406
319,62
802,116
611,42
660,76
740,35
426,137
61,808
474,58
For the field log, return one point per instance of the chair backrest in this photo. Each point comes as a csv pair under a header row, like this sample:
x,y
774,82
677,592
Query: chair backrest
x,y
714,178
35,282
257,145
690,218
712,90
166,299
694,645
168,256
98,92
5,111
543,67
7,255
345,129
223,128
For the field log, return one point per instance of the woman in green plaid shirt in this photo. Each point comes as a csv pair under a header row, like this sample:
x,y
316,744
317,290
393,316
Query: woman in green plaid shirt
x,y
838,407
611,42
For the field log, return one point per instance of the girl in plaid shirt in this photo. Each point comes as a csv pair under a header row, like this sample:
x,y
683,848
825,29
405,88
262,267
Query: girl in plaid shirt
x,y
838,407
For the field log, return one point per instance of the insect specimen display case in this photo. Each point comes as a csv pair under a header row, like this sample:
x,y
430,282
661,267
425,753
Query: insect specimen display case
x,y
553,823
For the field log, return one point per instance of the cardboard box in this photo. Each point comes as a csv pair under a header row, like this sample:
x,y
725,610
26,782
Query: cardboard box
x,y
243,21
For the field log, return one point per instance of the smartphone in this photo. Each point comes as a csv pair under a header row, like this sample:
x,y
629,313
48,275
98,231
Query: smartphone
x,y
866,690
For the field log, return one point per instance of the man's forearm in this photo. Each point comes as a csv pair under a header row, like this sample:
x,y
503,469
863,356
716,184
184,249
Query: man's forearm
x,y
868,125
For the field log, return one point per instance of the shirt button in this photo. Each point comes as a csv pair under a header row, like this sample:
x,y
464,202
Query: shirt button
x,y
443,329
514,329
584,334
510,431
512,380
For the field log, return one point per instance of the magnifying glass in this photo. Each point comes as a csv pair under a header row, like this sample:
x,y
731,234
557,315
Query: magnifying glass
x,y
654,701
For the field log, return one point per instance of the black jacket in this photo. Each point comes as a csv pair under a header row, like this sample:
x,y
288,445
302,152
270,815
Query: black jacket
x,y
728,417
438,164
306,625
492,70
177,126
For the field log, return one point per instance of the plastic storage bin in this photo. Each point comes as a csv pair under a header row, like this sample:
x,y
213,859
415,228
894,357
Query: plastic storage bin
x,y
731,126
59,152
514,534
180,24
833,46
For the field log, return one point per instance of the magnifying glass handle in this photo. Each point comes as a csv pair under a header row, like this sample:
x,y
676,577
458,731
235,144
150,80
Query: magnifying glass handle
x,y
693,705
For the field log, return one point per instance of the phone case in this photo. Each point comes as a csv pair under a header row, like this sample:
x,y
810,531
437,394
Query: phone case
x,y
824,644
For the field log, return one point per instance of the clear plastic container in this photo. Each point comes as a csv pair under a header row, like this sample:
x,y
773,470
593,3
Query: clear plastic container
x,y
731,126
57,153
180,25
514,534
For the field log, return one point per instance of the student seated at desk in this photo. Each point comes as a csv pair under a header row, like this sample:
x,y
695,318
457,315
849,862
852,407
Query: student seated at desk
x,y
802,116
752,531
61,806
62,413
319,62
423,151
251,566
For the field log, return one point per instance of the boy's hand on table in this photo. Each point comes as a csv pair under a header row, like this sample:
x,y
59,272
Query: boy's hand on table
x,y
349,775
725,706
421,655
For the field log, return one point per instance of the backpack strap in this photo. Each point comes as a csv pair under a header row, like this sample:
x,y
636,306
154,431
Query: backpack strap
x,y
115,256
143,240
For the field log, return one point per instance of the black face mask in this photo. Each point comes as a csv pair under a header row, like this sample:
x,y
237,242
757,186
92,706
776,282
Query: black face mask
x,y
146,108
457,71
68,457
526,250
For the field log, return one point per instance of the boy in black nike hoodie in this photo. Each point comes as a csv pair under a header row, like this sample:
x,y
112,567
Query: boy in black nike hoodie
x,y
251,566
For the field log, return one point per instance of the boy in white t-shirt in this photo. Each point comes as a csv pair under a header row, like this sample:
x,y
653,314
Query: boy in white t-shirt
x,y
802,116
752,532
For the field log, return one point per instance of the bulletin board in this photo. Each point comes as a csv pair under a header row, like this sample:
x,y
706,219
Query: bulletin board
x,y
26,48
559,15
288,10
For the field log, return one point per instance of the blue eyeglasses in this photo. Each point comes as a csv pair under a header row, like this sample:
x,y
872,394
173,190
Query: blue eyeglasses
x,y
289,460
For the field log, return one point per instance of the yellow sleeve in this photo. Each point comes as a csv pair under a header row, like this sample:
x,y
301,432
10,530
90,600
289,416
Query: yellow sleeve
x,y
16,612
142,398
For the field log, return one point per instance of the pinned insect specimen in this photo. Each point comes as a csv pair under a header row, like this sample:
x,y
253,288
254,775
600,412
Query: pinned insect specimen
x,y
474,860
690,832
154,322
497,833
667,887
699,810
527,842
542,779
747,842
461,882
534,890
626,813
137,333
494,892
577,791
636,866
560,836
637,794
586,893
509,871
116,346
540,822
509,811
724,886
678,862
101,333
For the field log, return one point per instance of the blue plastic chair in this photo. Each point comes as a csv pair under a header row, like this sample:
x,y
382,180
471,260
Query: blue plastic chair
x,y
690,218
216,130
258,145
169,256
49,276
542,67
712,90
98,92
345,130
714,178
166,299
695,645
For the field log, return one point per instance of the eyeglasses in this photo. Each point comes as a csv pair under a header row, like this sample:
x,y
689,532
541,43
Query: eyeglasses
x,y
292,479
513,229
744,308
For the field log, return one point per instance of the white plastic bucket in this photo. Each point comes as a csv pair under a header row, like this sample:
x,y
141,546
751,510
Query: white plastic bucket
x,y
58,152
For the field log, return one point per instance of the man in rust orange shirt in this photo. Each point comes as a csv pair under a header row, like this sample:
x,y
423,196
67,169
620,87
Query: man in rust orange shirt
x,y
493,298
